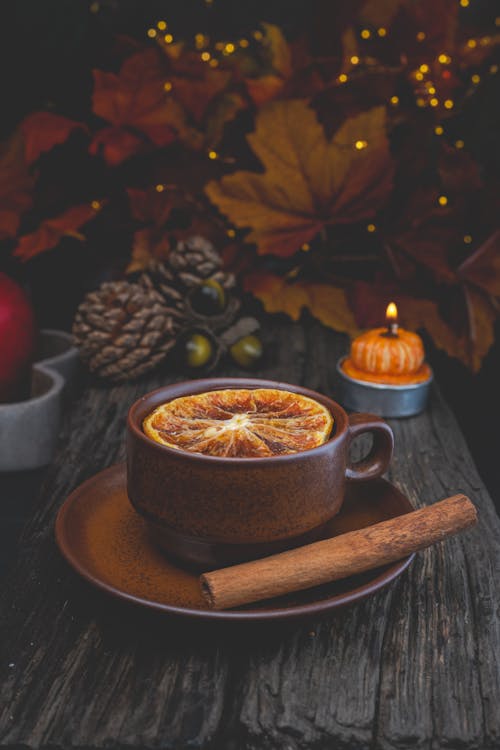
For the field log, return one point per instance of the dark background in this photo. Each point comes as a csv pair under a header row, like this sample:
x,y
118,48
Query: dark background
x,y
48,50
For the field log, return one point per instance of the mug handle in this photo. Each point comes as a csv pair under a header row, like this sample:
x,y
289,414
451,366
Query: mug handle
x,y
380,455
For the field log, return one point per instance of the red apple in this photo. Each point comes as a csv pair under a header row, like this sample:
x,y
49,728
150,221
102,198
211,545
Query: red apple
x,y
17,336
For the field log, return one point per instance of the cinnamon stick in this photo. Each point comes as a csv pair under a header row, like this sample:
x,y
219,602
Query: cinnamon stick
x,y
338,557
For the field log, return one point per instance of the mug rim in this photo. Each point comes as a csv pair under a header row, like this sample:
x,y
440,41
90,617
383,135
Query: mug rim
x,y
203,385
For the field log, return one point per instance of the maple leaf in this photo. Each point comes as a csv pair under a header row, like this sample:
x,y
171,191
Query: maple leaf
x,y
327,303
268,85
16,184
194,83
482,268
309,182
44,130
136,98
51,231
116,144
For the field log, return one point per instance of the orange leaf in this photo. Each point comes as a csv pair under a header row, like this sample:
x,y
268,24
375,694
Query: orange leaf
x,y
308,182
44,130
50,231
16,184
136,98
149,244
327,303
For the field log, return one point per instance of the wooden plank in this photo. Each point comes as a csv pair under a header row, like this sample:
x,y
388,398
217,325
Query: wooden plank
x,y
415,666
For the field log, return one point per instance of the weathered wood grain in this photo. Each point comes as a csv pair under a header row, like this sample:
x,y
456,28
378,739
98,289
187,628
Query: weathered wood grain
x,y
416,666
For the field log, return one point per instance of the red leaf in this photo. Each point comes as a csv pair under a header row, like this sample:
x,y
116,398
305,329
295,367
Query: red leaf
x,y
151,206
482,268
136,98
44,130
115,145
52,230
16,184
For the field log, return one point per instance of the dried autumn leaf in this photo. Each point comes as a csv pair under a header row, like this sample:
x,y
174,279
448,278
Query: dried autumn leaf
x,y
115,145
136,98
44,130
482,268
194,83
16,184
482,314
152,206
268,85
327,303
309,182
51,231
151,243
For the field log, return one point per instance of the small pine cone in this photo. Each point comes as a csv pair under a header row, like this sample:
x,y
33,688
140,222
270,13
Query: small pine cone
x,y
123,330
194,259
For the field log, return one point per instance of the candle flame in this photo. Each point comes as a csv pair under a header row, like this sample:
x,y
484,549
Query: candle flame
x,y
391,314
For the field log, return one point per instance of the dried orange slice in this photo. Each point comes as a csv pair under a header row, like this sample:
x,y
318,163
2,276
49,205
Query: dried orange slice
x,y
241,423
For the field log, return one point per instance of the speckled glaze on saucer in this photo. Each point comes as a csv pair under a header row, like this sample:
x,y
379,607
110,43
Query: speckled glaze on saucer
x,y
211,511
110,546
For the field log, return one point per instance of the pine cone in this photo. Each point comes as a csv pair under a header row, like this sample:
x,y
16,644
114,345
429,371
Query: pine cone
x,y
196,259
123,330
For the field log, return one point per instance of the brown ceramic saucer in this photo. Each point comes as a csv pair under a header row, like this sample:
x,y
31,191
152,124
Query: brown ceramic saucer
x,y
107,543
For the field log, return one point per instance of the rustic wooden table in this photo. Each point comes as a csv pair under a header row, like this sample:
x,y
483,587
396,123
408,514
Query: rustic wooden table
x,y
417,665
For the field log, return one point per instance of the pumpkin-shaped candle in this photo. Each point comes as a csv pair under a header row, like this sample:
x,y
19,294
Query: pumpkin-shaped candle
x,y
388,355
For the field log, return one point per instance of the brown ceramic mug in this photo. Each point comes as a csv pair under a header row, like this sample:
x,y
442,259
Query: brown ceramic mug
x,y
211,511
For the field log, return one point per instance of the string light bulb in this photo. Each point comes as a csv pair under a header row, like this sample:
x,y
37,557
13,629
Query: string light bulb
x,y
459,144
243,43
305,247
151,33
493,69
360,145
365,33
467,239
354,60
419,76
342,78
213,62
212,155
464,3
258,35
424,68
443,200
168,38
229,48
420,36
371,228
475,78
161,25
471,44
160,188
167,86
394,99
449,103
231,233
444,59
205,56
434,102
382,31
96,205
439,130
